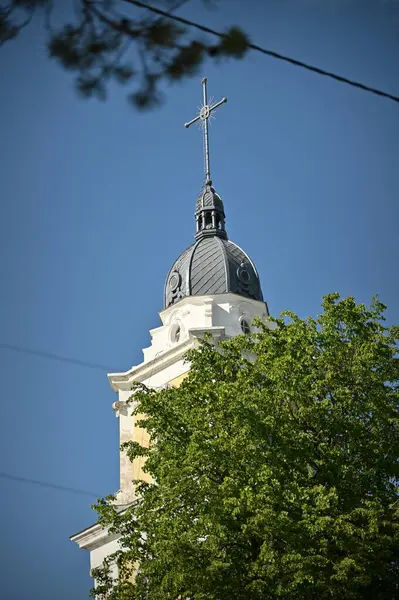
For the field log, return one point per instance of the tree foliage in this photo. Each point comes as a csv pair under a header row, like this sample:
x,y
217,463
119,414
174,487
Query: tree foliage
x,y
114,40
276,468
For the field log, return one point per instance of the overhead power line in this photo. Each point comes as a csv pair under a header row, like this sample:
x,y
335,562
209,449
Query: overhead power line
x,y
55,486
46,484
292,61
51,356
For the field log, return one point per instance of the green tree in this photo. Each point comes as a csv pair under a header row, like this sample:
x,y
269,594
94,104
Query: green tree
x,y
276,468
116,40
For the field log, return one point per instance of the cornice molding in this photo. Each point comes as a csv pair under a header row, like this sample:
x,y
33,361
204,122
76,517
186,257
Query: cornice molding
x,y
93,537
124,381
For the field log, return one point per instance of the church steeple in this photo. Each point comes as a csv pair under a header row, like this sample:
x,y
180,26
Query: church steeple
x,y
213,288
213,264
209,210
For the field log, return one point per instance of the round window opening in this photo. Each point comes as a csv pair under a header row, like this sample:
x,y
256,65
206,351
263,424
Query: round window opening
x,y
245,326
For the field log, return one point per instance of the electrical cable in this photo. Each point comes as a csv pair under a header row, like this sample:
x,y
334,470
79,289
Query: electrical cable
x,y
59,358
277,55
47,484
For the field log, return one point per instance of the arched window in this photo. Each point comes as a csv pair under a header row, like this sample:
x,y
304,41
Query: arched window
x,y
208,220
175,333
245,328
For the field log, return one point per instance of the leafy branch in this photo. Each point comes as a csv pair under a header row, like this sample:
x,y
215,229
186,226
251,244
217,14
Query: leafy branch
x,y
107,41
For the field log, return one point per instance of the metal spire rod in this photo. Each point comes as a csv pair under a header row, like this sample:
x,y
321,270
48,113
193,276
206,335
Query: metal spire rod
x,y
204,115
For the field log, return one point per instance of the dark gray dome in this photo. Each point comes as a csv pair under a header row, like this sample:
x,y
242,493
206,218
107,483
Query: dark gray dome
x,y
213,265
209,199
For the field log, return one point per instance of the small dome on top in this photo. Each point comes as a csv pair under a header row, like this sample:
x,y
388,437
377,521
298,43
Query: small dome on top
x,y
209,214
209,199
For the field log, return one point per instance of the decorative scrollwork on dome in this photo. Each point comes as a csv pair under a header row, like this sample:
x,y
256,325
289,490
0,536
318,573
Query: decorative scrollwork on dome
x,y
174,285
247,281
174,281
244,274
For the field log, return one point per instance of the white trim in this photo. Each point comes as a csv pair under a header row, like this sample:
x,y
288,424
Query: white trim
x,y
123,381
200,300
93,537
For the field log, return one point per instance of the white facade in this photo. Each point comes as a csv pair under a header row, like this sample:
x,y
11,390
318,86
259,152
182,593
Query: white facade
x,y
223,316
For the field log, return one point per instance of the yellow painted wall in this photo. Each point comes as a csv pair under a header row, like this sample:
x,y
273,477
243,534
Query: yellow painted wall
x,y
141,436
177,380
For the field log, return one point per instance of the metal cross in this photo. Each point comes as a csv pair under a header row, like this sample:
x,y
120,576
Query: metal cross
x,y
204,115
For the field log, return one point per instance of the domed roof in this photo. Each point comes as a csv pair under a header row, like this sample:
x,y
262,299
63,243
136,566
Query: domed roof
x,y
209,199
212,265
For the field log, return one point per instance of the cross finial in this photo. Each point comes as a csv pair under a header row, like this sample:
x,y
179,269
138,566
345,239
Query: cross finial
x,y
204,115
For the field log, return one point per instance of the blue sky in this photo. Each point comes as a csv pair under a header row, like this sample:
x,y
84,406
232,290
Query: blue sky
x,y
98,201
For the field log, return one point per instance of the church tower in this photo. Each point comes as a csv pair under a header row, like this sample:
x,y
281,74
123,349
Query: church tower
x,y
213,287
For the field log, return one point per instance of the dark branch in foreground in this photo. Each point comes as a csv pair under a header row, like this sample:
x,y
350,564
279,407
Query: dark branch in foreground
x,y
116,41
